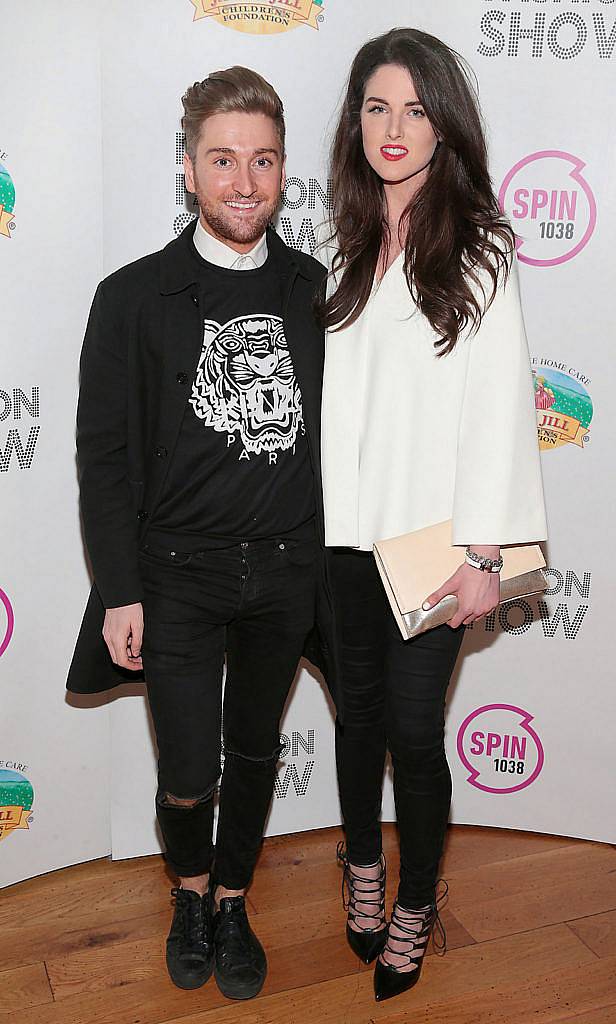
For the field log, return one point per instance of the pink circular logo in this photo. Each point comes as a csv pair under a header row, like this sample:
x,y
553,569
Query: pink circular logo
x,y
7,621
501,750
551,207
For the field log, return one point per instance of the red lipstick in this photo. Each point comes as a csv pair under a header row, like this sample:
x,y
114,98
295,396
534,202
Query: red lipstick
x,y
394,152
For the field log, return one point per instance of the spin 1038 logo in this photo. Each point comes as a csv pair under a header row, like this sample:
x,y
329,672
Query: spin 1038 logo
x,y
500,748
7,621
550,205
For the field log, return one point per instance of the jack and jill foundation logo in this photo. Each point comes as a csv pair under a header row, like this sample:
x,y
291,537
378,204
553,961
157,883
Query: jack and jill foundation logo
x,y
551,207
501,750
7,201
7,621
268,17
16,800
564,406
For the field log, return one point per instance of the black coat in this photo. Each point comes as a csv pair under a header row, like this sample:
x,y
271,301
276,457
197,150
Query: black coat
x,y
138,362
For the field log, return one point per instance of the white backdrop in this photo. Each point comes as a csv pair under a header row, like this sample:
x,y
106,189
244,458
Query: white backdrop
x,y
54,764
92,147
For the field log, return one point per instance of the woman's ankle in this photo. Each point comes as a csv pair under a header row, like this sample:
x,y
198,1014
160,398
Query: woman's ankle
x,y
423,910
369,872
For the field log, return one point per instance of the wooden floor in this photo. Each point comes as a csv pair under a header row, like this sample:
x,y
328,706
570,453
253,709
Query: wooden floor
x,y
531,926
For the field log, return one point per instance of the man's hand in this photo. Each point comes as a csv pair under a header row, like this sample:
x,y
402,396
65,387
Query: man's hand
x,y
478,594
123,633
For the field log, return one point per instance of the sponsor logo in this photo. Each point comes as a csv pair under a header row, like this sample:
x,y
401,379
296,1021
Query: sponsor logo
x,y
500,748
7,622
7,202
17,447
551,207
264,18
561,620
564,406
308,199
289,779
511,30
16,799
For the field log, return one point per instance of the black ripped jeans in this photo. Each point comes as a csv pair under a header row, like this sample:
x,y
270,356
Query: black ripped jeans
x,y
256,601
394,698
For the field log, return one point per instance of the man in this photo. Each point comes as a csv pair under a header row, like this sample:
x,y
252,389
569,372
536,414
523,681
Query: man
x,y
198,446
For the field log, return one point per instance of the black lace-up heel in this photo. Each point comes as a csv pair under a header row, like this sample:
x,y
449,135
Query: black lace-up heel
x,y
415,933
367,943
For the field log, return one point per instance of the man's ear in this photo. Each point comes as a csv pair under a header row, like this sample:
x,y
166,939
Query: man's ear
x,y
189,174
283,174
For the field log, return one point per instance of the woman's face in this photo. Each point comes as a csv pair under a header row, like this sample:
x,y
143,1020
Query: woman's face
x,y
398,139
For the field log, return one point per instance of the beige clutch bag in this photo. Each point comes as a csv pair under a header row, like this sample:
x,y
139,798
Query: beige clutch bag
x,y
414,565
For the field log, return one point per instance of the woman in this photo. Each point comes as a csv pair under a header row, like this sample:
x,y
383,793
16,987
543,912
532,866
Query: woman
x,y
427,415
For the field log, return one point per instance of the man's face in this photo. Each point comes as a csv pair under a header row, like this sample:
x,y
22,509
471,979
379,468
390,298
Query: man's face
x,y
237,176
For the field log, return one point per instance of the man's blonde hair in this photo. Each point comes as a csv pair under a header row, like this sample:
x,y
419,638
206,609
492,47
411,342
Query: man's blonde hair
x,y
237,88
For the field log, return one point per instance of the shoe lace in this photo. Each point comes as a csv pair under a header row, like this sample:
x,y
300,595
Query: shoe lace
x,y
352,894
440,947
427,924
193,916
236,948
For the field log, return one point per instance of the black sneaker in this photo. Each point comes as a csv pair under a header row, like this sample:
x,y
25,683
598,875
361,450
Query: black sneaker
x,y
190,951
239,963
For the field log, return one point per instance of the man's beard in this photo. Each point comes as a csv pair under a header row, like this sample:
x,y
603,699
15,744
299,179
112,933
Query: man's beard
x,y
232,228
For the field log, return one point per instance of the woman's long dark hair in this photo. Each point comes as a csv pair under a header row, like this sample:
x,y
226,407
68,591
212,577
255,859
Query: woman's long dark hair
x,y
455,227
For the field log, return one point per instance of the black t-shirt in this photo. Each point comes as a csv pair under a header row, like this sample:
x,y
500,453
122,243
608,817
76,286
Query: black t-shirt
x,y
241,468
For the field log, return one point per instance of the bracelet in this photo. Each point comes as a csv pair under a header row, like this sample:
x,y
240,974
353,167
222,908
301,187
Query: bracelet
x,y
481,563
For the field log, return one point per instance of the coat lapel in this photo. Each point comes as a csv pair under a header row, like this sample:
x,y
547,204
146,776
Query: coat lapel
x,y
181,342
182,338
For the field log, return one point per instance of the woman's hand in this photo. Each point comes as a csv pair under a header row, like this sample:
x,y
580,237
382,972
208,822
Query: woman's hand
x,y
478,594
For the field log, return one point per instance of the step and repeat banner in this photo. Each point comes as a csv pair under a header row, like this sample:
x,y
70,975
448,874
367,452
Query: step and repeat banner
x,y
532,710
91,178
54,759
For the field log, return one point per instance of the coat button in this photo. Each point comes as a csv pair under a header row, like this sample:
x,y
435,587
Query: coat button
x,y
142,516
195,299
181,378
161,452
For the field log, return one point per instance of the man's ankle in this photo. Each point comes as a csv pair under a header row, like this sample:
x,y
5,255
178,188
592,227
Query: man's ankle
x,y
196,883
221,893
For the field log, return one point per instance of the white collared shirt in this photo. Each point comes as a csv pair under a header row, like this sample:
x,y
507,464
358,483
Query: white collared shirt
x,y
221,255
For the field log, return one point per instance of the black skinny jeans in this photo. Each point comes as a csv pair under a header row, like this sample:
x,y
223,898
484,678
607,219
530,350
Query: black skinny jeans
x,y
394,697
256,601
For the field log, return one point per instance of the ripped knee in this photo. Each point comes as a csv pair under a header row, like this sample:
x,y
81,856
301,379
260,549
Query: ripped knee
x,y
257,761
175,801
166,799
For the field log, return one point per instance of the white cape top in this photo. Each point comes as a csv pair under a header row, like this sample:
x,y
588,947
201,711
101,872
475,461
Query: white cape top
x,y
409,439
